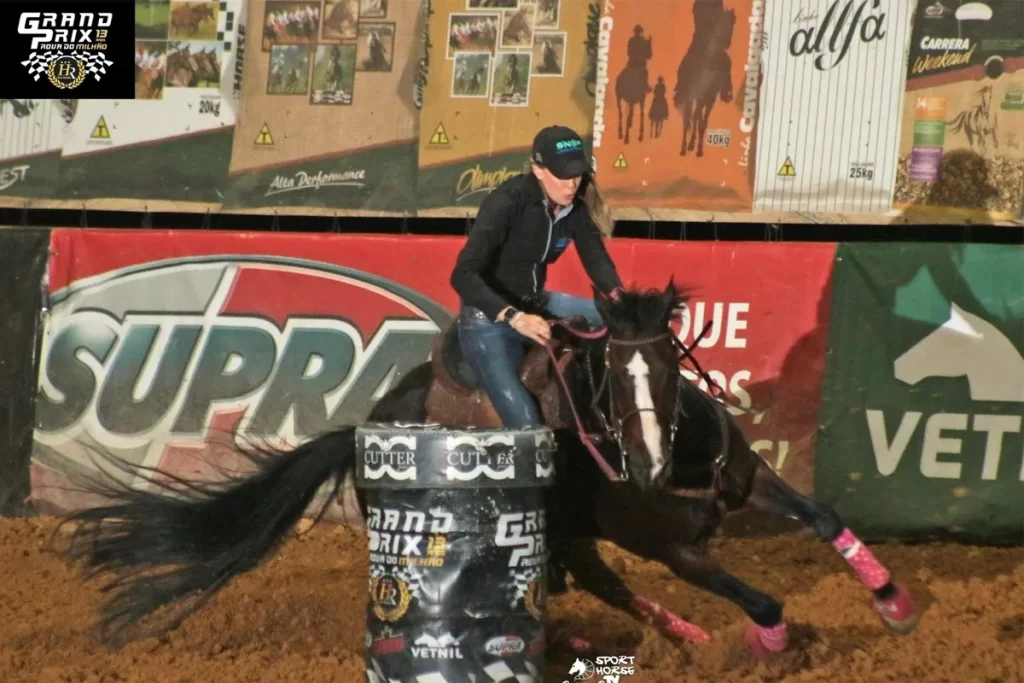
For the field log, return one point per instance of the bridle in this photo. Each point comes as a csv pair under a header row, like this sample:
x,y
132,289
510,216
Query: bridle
x,y
612,424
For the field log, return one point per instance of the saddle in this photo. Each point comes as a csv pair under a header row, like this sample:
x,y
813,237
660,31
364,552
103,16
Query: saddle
x,y
457,399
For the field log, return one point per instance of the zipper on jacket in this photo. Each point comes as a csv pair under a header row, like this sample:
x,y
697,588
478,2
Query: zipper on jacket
x,y
547,247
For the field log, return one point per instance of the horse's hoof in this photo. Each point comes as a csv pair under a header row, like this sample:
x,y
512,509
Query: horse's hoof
x,y
897,613
763,642
668,623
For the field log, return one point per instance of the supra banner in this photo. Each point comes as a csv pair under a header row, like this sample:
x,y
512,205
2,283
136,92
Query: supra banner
x,y
161,347
162,344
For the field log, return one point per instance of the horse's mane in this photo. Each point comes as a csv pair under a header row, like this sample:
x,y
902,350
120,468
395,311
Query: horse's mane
x,y
641,312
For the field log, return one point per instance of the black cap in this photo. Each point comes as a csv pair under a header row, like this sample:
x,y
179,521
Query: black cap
x,y
560,150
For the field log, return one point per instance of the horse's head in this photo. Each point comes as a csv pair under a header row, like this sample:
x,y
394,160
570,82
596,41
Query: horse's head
x,y
643,380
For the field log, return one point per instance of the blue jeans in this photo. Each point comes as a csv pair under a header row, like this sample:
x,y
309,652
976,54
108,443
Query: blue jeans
x,y
495,351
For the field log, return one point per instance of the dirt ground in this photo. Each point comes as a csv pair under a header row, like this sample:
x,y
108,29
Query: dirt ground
x,y
299,618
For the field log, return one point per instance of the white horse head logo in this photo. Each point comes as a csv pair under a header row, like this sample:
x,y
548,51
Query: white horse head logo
x,y
581,670
966,345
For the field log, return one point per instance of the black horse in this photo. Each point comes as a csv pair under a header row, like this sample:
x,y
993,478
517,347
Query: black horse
x,y
685,462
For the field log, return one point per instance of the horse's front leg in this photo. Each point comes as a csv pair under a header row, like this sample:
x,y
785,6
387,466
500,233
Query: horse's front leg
x,y
767,635
597,578
891,601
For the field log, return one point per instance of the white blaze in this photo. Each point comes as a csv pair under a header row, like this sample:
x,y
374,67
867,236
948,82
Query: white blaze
x,y
651,430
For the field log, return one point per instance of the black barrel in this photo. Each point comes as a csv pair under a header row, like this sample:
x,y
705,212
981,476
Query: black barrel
x,y
458,552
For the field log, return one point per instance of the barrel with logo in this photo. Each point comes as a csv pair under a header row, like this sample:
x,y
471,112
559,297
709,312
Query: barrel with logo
x,y
458,552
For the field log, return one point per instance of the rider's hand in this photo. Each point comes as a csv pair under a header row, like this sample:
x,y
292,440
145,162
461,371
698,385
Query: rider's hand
x,y
532,326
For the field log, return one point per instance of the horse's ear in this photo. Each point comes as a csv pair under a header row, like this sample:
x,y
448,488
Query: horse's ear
x,y
671,292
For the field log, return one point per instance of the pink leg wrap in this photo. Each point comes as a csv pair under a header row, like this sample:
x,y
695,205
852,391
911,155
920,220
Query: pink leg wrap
x,y
870,571
764,641
898,611
668,623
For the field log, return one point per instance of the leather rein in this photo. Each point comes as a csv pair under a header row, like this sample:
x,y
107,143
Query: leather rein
x,y
615,432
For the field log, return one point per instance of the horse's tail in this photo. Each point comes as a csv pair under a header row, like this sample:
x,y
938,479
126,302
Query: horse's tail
x,y
198,537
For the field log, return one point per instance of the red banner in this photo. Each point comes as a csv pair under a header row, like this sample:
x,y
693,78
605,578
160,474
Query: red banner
x,y
157,340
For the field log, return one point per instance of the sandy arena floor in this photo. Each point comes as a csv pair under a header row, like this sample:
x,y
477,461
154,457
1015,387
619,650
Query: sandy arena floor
x,y
298,619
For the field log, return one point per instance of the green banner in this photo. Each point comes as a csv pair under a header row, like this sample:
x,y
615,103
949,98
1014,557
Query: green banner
x,y
923,400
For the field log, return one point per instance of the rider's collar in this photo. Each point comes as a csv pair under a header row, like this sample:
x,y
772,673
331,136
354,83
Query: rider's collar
x,y
536,194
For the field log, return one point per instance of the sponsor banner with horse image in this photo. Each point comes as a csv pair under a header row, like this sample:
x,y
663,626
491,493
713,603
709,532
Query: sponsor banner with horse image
x,y
923,414
675,123
173,141
329,120
31,136
206,335
833,94
497,72
962,139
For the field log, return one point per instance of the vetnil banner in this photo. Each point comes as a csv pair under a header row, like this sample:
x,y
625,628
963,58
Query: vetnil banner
x,y
923,402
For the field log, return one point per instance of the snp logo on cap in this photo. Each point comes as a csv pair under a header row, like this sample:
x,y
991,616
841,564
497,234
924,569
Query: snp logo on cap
x,y
568,145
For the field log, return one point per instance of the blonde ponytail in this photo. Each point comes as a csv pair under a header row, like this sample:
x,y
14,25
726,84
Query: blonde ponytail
x,y
599,211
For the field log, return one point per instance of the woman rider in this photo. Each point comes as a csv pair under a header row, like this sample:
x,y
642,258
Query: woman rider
x,y
522,226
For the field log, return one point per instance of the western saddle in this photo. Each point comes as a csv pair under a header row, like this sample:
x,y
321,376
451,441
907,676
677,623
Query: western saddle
x,y
457,399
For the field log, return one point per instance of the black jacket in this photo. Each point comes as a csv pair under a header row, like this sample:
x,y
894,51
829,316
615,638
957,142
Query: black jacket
x,y
512,242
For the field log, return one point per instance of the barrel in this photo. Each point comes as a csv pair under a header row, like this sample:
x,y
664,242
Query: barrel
x,y
456,527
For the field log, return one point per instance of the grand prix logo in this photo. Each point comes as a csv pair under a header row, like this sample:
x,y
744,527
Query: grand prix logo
x,y
274,347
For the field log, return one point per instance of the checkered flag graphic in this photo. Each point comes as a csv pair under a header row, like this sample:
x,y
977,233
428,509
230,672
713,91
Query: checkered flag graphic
x,y
39,63
521,583
496,672
94,63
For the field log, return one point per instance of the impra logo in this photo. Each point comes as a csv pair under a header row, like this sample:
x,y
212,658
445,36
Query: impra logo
x,y
270,346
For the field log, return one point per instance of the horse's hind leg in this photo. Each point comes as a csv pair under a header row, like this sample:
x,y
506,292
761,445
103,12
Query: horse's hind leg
x,y
892,602
597,578
768,634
